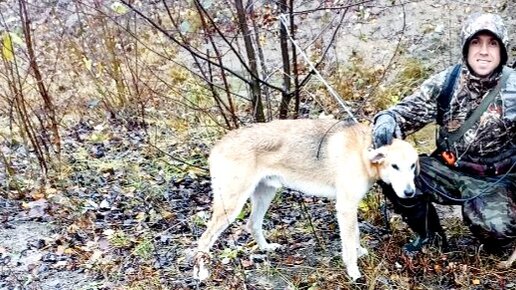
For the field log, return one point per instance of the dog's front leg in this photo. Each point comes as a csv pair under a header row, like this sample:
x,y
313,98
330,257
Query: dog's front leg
x,y
361,251
508,263
348,224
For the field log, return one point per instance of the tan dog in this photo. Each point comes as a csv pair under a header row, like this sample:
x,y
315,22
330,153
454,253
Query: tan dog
x,y
318,157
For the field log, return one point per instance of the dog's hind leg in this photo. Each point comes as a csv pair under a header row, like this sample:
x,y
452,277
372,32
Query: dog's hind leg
x,y
260,200
229,198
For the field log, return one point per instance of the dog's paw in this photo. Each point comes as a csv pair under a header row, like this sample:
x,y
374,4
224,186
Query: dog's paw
x,y
354,273
504,265
361,252
200,272
269,247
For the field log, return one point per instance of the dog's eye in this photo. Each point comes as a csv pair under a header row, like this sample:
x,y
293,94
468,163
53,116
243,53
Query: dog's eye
x,y
395,167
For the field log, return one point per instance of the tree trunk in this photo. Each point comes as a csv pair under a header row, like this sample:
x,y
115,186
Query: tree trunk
x,y
286,95
258,114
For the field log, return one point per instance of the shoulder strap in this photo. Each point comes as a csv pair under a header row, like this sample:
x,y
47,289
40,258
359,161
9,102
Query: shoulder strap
x,y
443,100
475,116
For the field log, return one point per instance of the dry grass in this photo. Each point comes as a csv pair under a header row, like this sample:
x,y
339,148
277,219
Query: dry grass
x,y
303,264
156,120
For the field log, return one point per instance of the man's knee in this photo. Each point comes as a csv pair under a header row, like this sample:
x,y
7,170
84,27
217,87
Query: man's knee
x,y
497,232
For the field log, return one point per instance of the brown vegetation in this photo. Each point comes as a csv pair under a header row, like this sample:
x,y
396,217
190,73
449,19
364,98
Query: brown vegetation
x,y
108,110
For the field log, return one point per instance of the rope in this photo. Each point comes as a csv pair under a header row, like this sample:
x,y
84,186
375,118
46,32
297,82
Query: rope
x,y
445,195
332,92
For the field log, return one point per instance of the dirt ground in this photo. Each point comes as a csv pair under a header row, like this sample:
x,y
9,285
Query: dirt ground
x,y
19,240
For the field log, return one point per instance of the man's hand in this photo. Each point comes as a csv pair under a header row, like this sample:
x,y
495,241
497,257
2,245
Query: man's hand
x,y
383,130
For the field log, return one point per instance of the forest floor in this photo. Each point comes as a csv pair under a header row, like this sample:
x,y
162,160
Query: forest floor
x,y
126,219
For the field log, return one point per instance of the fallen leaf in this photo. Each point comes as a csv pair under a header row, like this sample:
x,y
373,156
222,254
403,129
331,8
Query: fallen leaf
x,y
438,268
61,249
95,256
104,204
61,264
37,208
108,232
140,216
247,263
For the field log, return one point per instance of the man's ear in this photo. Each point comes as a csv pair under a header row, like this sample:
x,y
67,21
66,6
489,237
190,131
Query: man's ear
x,y
376,155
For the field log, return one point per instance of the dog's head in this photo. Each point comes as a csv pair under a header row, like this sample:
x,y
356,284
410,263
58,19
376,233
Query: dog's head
x,y
397,165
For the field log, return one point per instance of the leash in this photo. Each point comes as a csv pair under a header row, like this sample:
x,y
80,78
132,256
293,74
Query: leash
x,y
303,207
462,200
341,102
319,147
442,194
385,215
332,92
283,20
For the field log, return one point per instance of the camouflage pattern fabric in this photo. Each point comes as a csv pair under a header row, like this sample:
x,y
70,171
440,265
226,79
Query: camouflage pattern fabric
x,y
489,207
495,131
484,21
488,203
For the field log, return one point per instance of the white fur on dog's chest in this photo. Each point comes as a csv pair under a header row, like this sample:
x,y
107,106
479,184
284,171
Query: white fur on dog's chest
x,y
305,186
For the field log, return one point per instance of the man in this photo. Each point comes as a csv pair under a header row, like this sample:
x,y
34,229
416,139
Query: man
x,y
474,164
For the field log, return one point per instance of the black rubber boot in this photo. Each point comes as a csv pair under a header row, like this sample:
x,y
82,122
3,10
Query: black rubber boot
x,y
420,215
432,239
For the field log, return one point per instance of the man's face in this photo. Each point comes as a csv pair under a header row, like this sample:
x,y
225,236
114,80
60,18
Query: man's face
x,y
484,53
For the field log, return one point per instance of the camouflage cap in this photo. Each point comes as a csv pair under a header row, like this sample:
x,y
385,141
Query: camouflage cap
x,y
478,22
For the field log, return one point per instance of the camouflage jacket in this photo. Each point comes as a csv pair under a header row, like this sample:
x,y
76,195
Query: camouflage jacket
x,y
495,132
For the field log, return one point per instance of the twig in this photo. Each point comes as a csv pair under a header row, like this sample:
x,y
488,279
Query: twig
x,y
176,41
176,158
330,88
309,217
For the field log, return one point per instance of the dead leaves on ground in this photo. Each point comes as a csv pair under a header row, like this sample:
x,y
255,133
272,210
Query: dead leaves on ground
x,y
125,216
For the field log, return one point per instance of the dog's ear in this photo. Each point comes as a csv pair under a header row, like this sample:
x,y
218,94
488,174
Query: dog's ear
x,y
376,155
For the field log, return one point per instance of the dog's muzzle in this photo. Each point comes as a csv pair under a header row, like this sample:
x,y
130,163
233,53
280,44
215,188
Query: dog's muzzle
x,y
409,192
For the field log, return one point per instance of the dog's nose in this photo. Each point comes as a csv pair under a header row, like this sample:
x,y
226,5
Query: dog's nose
x,y
409,192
